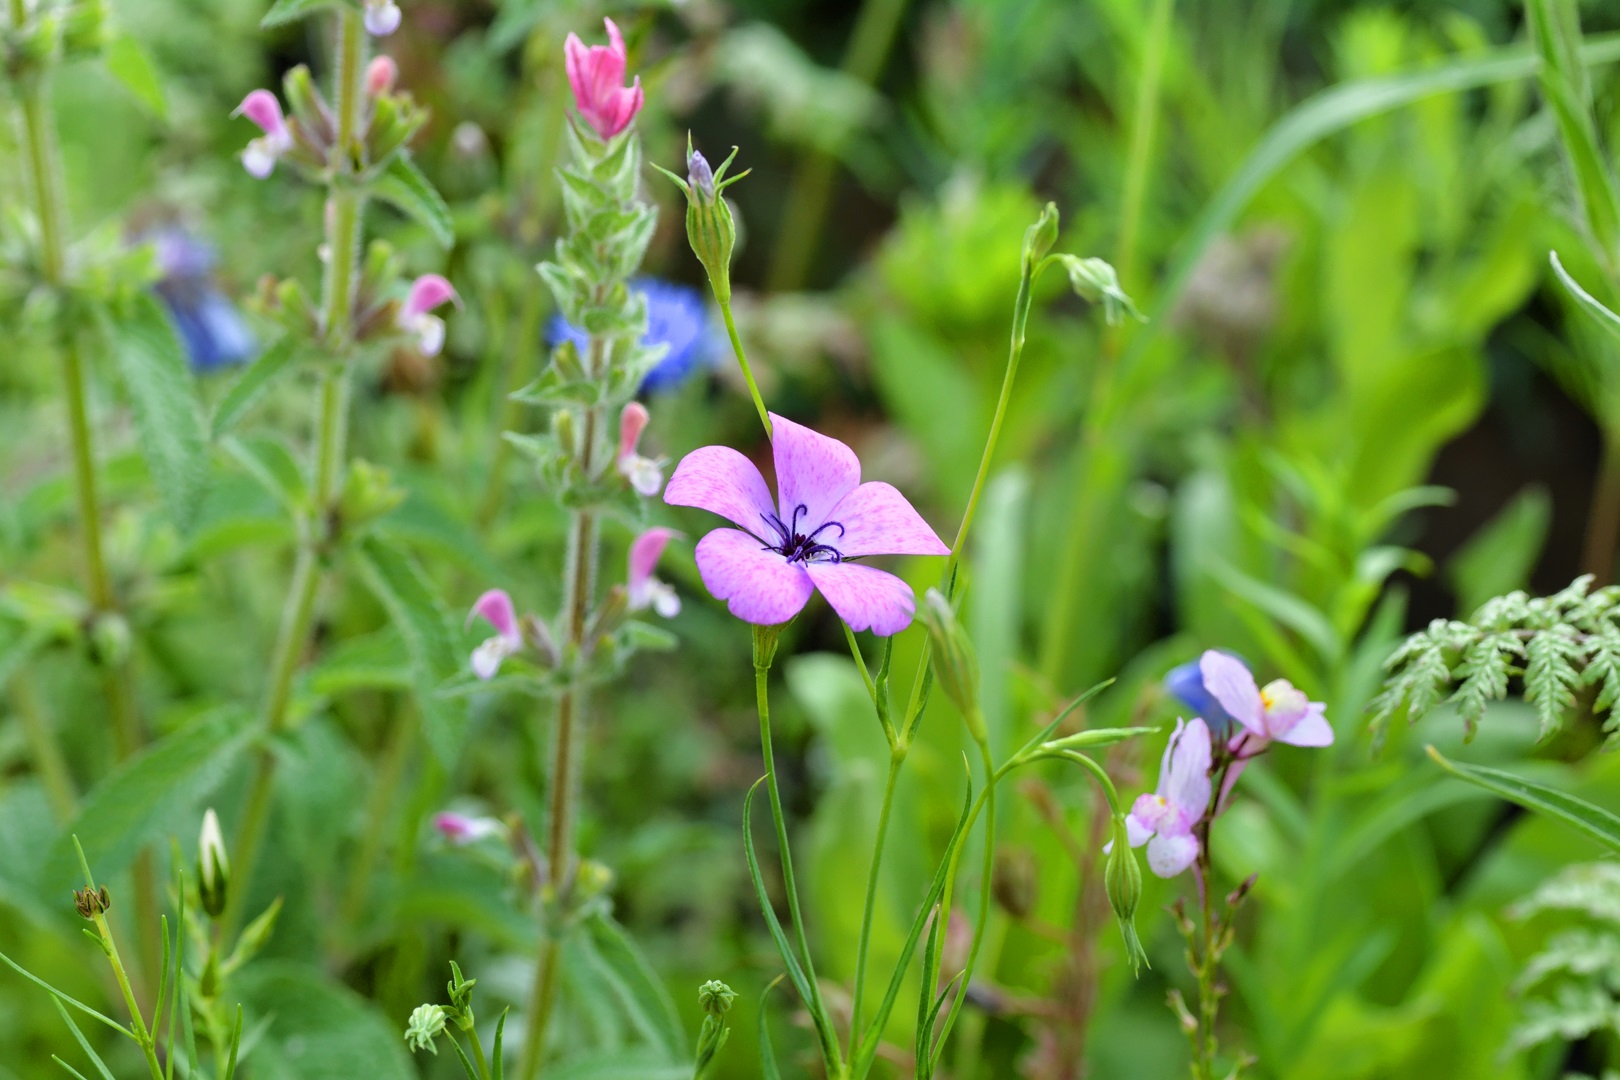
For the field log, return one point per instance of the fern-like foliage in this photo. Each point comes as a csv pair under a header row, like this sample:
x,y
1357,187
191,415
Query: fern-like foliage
x,y
1571,989
1558,644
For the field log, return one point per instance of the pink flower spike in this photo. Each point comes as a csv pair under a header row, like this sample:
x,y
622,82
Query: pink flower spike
x,y
1281,712
645,475
767,570
382,17
596,75
381,75
461,830
495,607
427,292
645,590
1165,820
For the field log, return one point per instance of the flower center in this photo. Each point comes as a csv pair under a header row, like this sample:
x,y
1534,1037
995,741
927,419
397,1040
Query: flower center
x,y
796,546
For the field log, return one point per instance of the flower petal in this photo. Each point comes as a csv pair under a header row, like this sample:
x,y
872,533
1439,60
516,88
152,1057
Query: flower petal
x,y
864,597
1137,830
1188,786
261,107
644,553
428,292
720,480
812,471
1234,687
758,585
1168,856
495,607
1187,683
877,520
1312,729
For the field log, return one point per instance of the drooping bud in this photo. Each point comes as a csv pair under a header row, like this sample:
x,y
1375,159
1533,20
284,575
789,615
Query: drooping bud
x,y
955,666
381,75
1122,879
213,866
425,1025
1095,281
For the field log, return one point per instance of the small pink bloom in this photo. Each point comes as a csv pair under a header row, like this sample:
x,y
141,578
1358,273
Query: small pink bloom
x,y
261,155
381,75
826,517
1280,712
427,292
461,830
597,77
1164,821
645,590
495,608
382,17
645,475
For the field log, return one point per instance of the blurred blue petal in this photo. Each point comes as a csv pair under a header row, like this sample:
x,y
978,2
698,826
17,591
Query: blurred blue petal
x,y
211,328
1187,683
677,318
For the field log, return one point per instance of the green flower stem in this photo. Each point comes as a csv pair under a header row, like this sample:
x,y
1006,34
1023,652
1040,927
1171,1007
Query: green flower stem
x,y
142,1036
988,871
762,670
896,759
346,204
478,1054
742,360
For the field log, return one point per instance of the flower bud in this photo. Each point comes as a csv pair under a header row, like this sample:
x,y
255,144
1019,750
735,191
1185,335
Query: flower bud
x,y
111,639
92,902
86,28
716,998
40,41
213,866
1095,281
955,666
425,1025
382,17
381,75
710,228
1122,879
1039,237
369,493
308,108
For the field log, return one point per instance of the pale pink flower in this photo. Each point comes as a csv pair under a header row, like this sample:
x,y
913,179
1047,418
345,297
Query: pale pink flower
x,y
645,590
261,155
597,77
826,518
461,830
1165,820
1279,712
427,292
495,608
646,476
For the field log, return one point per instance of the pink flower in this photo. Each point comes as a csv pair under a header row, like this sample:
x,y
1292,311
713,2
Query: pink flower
x,y
381,75
427,292
382,17
461,830
261,155
827,518
1164,821
645,475
597,76
495,608
645,590
1278,712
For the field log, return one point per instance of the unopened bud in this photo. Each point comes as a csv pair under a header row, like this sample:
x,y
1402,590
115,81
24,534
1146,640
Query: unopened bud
x,y
1095,281
700,176
308,108
1039,237
85,30
213,866
111,639
92,902
955,666
381,75
716,998
710,227
1122,879
425,1025
369,493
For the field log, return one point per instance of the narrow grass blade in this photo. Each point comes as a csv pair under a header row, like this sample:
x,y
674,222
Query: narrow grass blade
x,y
1594,821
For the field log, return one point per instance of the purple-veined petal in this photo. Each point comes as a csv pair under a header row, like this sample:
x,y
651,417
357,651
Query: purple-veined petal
x,y
864,597
495,607
758,585
877,520
1188,787
720,480
1233,686
812,471
644,553
1168,856
1312,729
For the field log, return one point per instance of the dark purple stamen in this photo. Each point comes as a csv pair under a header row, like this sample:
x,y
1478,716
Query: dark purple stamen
x,y
801,547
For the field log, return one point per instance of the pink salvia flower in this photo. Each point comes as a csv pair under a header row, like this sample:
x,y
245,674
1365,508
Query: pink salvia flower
x,y
382,17
261,155
381,75
646,476
1279,712
766,569
427,292
495,608
461,830
645,590
597,77
1164,821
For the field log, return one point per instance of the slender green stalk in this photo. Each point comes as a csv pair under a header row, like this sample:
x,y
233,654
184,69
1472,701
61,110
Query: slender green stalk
x,y
48,760
518,370
896,759
988,872
478,1055
742,361
142,1036
390,779
1139,157
345,206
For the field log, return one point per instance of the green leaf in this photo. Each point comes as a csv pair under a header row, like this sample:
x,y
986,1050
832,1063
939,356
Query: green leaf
x,y
1556,34
413,607
286,11
84,1043
128,62
274,361
168,418
767,1054
641,993
1594,821
268,461
1588,303
139,799
320,1029
404,186
1289,610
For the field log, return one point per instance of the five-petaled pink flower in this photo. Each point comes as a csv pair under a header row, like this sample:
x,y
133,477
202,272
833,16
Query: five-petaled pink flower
x,y
825,519
1278,712
261,155
1164,821
645,590
427,292
495,608
597,76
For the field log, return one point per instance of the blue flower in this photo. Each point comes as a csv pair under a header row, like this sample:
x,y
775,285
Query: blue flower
x,y
210,327
677,317
1187,683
